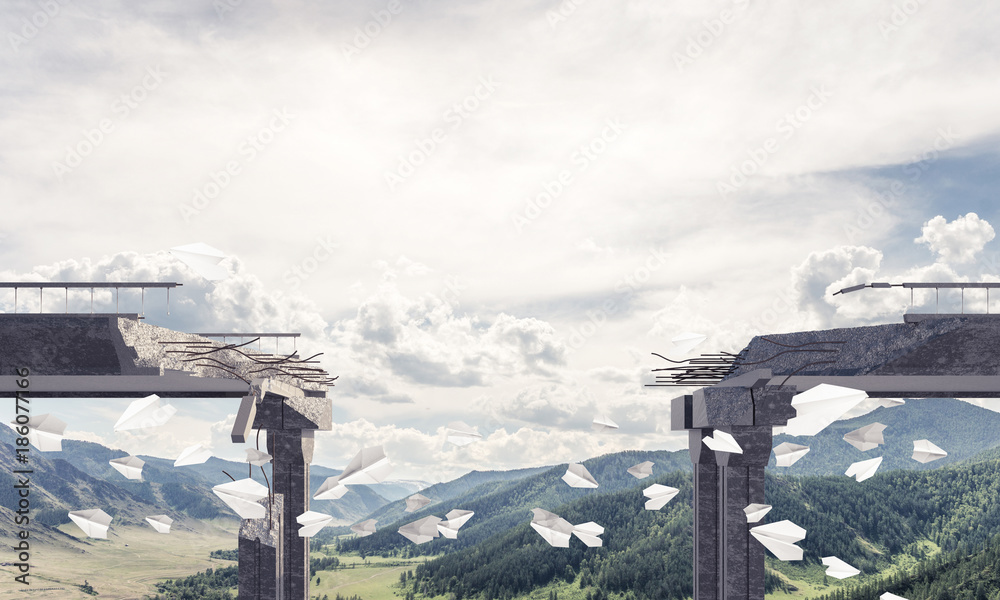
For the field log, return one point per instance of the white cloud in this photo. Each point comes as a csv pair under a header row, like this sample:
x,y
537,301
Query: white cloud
x,y
958,241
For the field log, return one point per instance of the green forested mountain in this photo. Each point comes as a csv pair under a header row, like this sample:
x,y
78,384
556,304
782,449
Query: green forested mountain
x,y
648,553
501,505
967,573
961,429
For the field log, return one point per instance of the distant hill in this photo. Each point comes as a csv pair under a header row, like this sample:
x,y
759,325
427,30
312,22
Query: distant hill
x,y
57,487
647,554
961,429
189,489
502,503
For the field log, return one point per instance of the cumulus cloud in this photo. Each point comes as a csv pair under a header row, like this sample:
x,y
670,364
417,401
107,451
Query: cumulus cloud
x,y
957,241
424,340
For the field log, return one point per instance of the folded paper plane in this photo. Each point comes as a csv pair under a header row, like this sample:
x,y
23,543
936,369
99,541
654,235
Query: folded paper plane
x,y
720,441
839,569
686,342
588,533
817,407
416,502
780,539
756,512
890,402
257,458
422,530
578,476
364,528
461,434
193,455
864,469
603,423
368,466
312,522
788,454
45,432
331,489
129,466
94,522
924,451
554,529
641,470
659,495
145,412
242,496
453,522
161,523
867,437
203,259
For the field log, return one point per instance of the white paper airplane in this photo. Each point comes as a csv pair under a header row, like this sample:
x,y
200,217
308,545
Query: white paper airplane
x,y
817,407
331,489
554,529
453,522
888,596
129,466
461,434
94,522
890,402
659,495
364,528
756,512
45,432
368,466
257,458
603,423
866,438
720,441
203,259
145,412
788,454
242,496
924,451
588,533
838,568
864,469
641,470
161,523
686,342
416,502
312,522
193,455
579,477
421,530
780,539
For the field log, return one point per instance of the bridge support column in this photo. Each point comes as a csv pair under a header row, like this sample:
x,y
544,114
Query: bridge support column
x,y
728,562
290,420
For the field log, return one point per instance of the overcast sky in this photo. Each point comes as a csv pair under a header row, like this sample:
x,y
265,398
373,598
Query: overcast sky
x,y
495,211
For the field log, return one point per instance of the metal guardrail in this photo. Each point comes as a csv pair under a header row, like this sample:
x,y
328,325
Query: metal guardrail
x,y
66,285
987,285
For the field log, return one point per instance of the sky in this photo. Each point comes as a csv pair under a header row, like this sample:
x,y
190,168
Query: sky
x,y
494,211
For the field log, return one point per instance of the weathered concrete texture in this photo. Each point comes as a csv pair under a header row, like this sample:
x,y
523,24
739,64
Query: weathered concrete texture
x,y
290,425
772,404
119,345
290,466
260,554
866,349
706,525
728,562
66,345
722,406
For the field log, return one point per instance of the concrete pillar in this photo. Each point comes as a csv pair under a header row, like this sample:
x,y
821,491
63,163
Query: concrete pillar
x,y
728,561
